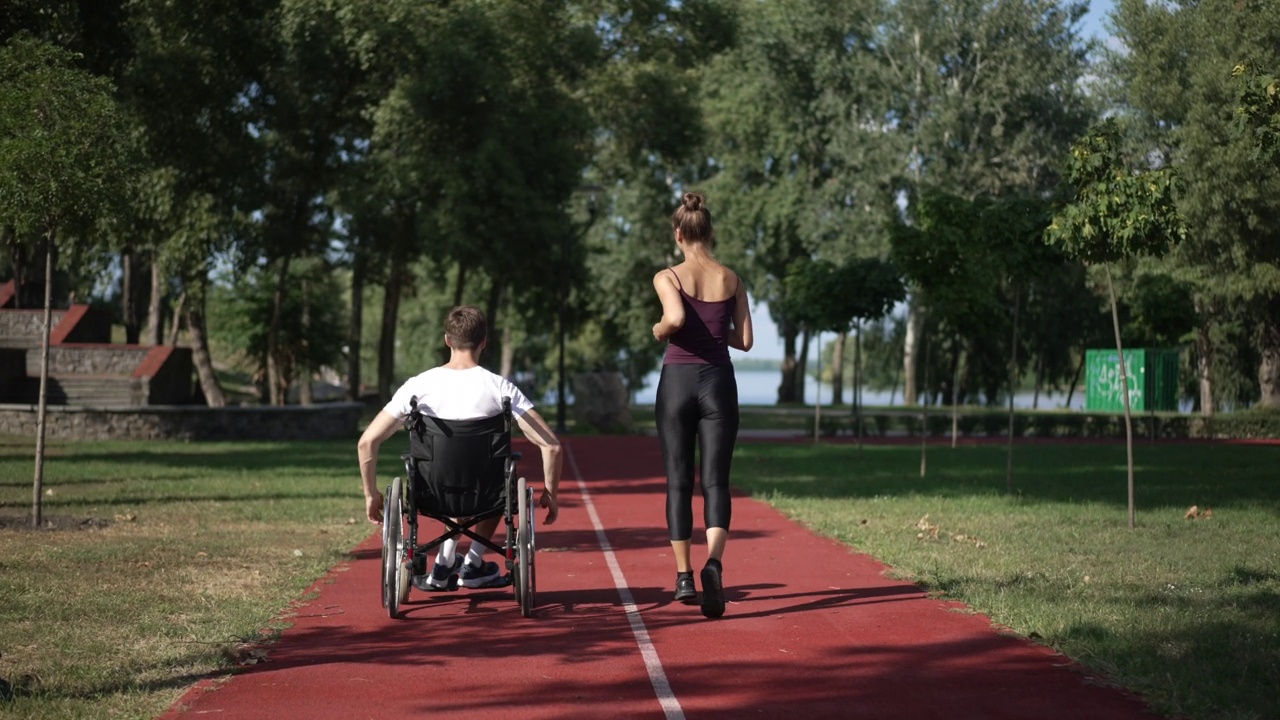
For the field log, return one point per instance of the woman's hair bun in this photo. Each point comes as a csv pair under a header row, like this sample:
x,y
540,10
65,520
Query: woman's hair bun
x,y
693,201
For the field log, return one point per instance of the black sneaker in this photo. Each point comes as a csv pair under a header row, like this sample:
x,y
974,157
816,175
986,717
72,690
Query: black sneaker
x,y
442,578
712,589
685,591
485,575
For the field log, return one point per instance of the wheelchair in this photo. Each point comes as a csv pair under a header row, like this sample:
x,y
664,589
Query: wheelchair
x,y
458,472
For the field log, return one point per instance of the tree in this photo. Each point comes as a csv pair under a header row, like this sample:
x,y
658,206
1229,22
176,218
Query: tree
x,y
643,88
64,155
1184,101
1115,213
1014,228
985,97
310,110
797,150
1258,110
186,82
830,298
310,335
973,262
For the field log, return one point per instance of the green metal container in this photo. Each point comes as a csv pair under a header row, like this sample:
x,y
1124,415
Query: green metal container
x,y
1153,380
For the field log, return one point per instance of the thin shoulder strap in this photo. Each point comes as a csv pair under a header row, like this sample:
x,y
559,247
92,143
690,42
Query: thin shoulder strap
x,y
677,277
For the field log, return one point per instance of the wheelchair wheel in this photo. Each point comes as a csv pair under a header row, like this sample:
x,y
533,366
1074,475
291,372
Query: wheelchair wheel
x,y
526,579
404,582
395,579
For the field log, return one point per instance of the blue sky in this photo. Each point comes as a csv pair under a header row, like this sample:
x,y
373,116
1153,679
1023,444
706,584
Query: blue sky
x,y
768,346
1094,23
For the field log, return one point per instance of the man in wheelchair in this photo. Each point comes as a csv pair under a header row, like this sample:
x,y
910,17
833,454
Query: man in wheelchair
x,y
460,390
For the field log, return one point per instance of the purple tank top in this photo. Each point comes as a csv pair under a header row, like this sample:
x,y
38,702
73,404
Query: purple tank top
x,y
704,337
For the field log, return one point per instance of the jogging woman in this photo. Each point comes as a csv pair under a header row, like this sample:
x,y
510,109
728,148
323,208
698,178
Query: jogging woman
x,y
704,313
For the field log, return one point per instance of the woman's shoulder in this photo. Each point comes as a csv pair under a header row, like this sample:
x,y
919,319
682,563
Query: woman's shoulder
x,y
667,275
730,279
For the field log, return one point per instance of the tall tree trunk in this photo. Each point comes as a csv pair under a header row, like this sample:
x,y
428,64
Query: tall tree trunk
x,y
155,304
915,313
857,383
507,367
1013,389
1269,365
460,284
494,344
177,318
387,335
787,385
8,240
924,417
802,365
214,396
817,395
306,393
897,375
1204,361
398,278
274,371
397,281
1124,386
1035,397
355,326
1075,379
460,292
42,410
129,296
837,369
910,351
955,392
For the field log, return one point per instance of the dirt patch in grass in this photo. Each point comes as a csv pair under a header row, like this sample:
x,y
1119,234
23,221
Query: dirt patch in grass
x,y
52,523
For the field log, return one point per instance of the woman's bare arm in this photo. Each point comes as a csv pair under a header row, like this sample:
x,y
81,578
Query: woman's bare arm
x,y
741,338
672,307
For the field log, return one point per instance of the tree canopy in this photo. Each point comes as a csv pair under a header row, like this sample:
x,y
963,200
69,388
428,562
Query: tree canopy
x,y
426,154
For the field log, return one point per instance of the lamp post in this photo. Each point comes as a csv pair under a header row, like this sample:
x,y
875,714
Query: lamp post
x,y
563,295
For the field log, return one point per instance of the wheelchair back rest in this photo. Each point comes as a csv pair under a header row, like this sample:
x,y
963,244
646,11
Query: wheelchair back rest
x,y
461,463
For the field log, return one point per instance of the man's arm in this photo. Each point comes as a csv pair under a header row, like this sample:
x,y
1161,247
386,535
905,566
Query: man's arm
x,y
384,425
536,429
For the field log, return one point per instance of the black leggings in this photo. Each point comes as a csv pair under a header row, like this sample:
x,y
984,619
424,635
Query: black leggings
x,y
697,406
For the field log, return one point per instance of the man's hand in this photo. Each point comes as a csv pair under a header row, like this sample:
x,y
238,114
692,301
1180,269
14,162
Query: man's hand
x,y
549,502
373,507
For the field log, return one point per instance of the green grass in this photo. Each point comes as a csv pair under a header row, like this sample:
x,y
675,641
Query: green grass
x,y
198,558
1184,611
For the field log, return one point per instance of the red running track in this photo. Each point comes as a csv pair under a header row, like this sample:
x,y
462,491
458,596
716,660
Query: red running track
x,y
812,630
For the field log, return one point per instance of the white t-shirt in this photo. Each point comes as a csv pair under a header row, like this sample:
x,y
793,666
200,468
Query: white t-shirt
x,y
448,394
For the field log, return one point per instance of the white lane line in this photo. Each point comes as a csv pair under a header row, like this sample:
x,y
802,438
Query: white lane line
x,y
657,677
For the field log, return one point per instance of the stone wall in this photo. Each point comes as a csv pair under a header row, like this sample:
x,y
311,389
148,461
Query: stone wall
x,y
329,421
24,328
88,360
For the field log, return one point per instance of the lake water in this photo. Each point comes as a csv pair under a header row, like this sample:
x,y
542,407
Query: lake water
x,y
760,387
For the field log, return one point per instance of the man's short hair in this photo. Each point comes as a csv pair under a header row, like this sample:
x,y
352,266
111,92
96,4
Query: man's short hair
x,y
466,327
